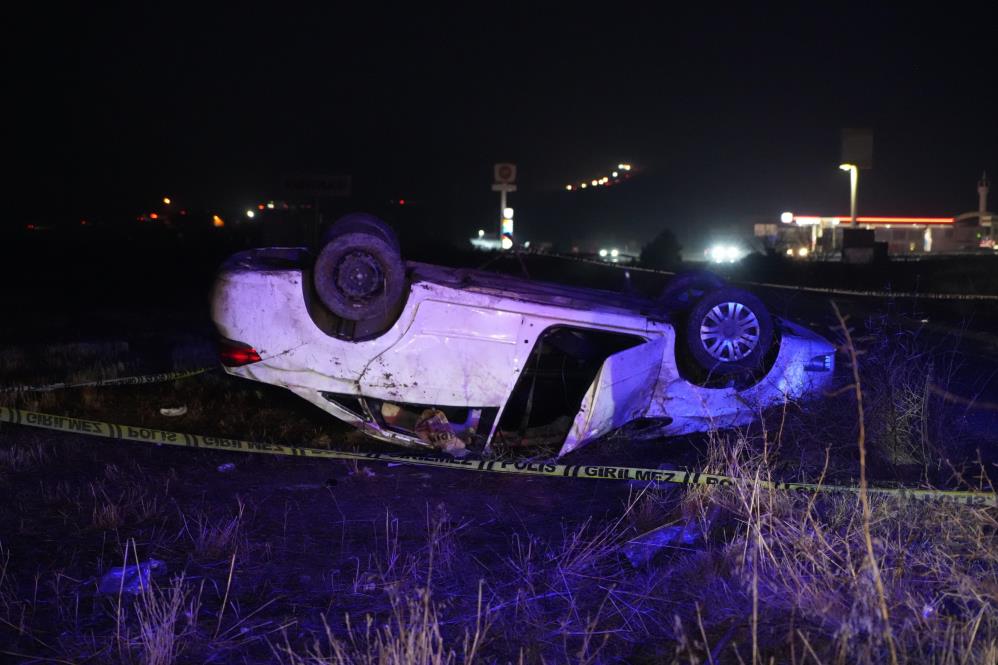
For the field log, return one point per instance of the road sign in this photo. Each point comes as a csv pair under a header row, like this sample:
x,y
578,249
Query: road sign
x,y
313,184
505,173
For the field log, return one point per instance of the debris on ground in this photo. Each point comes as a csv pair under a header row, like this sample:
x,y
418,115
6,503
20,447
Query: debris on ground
x,y
434,428
173,411
642,549
131,579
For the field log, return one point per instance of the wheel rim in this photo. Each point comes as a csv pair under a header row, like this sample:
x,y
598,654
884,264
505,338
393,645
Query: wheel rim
x,y
359,275
730,332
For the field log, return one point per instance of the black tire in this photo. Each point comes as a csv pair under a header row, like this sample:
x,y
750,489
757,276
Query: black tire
x,y
685,288
728,331
359,275
361,222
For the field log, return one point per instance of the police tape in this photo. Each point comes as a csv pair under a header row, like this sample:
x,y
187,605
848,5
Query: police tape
x,y
547,469
121,381
913,295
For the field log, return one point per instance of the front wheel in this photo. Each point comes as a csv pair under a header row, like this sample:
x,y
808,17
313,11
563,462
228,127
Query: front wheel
x,y
729,331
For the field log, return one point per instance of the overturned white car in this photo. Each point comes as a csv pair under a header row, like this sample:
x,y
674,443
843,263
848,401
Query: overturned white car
x,y
426,356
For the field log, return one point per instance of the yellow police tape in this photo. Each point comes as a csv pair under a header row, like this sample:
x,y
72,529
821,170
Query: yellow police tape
x,y
600,472
121,381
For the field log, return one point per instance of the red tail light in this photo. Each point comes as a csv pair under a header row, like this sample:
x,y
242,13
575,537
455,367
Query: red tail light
x,y
236,354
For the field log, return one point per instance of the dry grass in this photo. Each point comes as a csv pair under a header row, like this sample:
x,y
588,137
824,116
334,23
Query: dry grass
x,y
214,539
800,564
166,620
413,634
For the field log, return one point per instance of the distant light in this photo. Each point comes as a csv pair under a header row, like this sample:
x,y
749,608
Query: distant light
x,y
153,216
602,253
807,221
568,187
217,222
401,202
614,174
614,253
83,222
905,220
847,167
802,252
787,217
583,185
507,213
260,206
270,205
790,251
724,253
507,243
481,233
250,214
595,182
526,245
166,200
624,167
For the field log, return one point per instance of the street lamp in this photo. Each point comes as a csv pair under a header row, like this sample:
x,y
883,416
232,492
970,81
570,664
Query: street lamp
x,y
853,181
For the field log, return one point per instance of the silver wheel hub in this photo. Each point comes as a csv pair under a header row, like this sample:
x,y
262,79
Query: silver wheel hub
x,y
729,332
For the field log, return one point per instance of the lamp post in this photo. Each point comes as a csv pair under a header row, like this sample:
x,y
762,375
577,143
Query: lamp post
x,y
853,182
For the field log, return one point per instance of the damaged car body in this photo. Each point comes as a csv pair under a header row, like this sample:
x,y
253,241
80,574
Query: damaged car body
x,y
454,359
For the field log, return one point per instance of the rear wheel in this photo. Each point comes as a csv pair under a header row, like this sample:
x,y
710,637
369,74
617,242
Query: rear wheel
x,y
361,222
729,331
359,274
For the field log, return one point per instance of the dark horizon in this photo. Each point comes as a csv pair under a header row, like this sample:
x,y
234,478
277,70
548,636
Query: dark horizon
x,y
728,116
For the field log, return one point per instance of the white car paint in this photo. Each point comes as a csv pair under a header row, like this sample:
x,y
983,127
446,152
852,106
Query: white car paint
x,y
462,339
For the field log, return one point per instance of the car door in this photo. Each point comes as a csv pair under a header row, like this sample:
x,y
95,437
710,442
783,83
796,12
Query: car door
x,y
621,392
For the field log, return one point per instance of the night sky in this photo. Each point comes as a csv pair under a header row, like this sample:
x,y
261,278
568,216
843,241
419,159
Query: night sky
x,y
730,115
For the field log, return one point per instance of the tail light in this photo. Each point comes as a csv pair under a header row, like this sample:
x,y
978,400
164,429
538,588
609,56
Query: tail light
x,y
236,354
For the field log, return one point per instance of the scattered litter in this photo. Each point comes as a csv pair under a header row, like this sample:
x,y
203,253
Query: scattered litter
x,y
434,428
227,467
130,579
174,411
642,549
